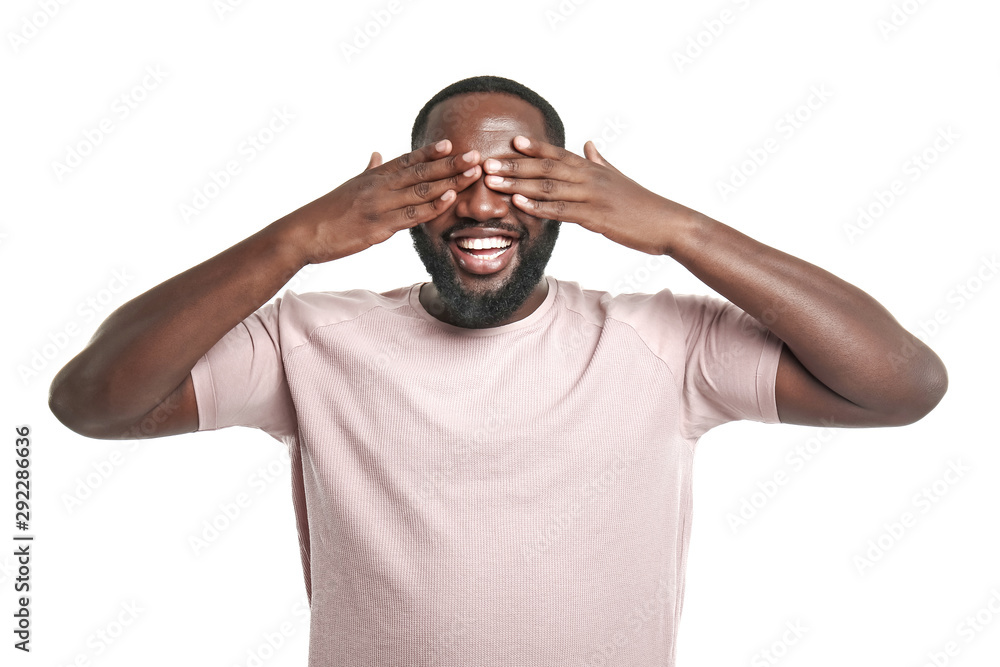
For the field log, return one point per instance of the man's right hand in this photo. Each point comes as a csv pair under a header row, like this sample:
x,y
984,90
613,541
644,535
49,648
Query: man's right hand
x,y
383,199
133,379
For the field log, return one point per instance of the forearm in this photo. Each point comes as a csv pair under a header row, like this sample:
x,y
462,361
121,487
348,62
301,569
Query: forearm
x,y
147,347
840,334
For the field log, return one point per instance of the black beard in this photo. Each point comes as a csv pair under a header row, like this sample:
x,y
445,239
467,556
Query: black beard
x,y
479,311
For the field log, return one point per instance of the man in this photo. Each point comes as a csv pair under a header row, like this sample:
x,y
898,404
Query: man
x,y
494,468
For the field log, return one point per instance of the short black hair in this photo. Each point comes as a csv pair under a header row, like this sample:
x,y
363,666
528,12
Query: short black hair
x,y
556,135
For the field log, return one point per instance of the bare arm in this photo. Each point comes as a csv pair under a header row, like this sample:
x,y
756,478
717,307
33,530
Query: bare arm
x,y
846,360
143,352
133,379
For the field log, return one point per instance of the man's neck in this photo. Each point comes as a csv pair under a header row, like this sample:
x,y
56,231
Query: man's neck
x,y
432,303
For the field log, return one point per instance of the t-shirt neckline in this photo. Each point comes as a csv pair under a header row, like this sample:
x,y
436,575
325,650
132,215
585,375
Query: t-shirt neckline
x,y
539,313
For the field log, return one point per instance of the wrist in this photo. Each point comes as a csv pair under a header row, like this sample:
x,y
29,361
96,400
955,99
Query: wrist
x,y
295,239
689,229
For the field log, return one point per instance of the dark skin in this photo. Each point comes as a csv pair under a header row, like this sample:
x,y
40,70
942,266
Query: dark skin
x,y
840,365
846,360
487,132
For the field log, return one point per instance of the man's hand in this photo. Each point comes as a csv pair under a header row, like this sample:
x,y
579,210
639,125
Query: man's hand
x,y
382,200
846,360
133,380
555,184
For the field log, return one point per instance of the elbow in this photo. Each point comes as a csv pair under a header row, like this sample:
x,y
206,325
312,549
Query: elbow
x,y
69,404
65,406
924,395
934,386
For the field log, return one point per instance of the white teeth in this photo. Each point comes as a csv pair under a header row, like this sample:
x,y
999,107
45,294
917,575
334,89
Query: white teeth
x,y
479,244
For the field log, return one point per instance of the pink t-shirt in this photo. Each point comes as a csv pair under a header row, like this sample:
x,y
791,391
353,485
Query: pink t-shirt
x,y
503,497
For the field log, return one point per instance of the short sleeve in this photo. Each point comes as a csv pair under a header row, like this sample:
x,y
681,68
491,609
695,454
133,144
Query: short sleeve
x,y
241,381
731,361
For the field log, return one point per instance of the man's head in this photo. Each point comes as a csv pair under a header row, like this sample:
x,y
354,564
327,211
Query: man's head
x,y
419,136
485,114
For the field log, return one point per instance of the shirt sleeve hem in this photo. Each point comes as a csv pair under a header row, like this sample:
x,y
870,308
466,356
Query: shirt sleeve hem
x,y
204,393
767,372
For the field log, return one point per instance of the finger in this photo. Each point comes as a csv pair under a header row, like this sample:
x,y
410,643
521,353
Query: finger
x,y
375,161
428,190
543,149
537,188
591,153
435,170
414,214
530,167
433,151
428,173
564,211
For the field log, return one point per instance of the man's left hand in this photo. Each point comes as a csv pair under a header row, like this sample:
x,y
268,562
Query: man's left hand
x,y
555,184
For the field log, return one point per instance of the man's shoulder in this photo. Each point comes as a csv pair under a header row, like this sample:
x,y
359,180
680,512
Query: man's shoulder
x,y
308,310
638,308
662,320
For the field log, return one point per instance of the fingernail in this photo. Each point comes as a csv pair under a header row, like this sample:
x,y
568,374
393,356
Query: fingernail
x,y
468,156
469,172
494,180
448,196
491,165
441,145
521,142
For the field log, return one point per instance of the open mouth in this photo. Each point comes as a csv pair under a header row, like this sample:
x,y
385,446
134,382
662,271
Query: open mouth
x,y
488,248
483,255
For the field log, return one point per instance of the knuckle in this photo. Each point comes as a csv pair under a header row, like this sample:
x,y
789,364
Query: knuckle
x,y
410,212
560,208
422,189
547,185
510,166
547,165
420,170
404,160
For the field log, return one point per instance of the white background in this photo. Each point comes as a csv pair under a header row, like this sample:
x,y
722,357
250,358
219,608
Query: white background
x,y
678,129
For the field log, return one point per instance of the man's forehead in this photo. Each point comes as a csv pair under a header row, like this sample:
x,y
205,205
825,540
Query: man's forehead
x,y
487,122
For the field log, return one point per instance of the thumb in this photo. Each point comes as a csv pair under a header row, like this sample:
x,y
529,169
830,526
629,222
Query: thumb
x,y
375,161
590,151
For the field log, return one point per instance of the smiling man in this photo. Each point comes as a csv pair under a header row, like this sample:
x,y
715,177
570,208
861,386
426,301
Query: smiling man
x,y
494,467
485,257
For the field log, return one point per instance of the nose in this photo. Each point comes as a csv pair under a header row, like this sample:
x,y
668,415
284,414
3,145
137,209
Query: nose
x,y
481,203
